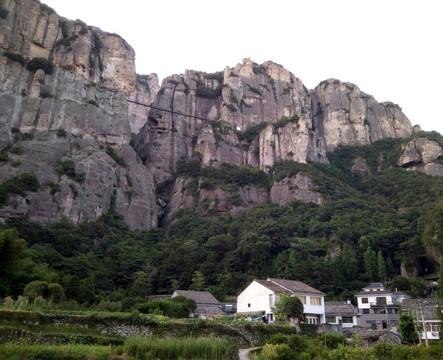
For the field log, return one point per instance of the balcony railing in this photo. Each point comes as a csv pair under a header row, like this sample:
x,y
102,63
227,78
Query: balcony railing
x,y
386,303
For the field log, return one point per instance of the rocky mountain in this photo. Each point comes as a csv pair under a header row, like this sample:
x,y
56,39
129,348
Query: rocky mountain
x,y
71,112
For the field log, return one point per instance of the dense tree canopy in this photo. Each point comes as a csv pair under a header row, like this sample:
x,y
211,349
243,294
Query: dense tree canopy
x,y
367,228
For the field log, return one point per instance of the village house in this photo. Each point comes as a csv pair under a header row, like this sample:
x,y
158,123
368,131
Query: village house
x,y
340,312
261,296
378,307
424,313
207,304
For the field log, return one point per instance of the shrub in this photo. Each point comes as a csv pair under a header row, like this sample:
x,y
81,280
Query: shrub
x,y
286,120
15,57
209,93
3,12
278,338
18,185
67,168
40,63
117,158
61,132
219,76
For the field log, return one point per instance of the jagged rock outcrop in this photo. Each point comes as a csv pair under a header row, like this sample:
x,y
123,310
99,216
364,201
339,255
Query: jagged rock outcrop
x,y
343,115
69,107
82,101
422,155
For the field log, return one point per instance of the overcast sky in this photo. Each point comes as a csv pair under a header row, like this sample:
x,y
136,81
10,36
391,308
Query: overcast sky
x,y
391,49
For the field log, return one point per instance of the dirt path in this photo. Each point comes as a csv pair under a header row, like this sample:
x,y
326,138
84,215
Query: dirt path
x,y
243,354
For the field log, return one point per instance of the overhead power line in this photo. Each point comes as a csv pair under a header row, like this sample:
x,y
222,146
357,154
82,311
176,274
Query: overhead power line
x,y
170,111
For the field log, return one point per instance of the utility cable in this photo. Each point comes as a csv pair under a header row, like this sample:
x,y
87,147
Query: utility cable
x,y
170,111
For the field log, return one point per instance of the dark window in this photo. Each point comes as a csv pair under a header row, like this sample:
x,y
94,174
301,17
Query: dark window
x,y
364,300
381,300
249,305
365,311
347,319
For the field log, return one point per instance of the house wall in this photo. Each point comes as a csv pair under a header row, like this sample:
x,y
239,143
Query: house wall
x,y
255,298
338,320
260,298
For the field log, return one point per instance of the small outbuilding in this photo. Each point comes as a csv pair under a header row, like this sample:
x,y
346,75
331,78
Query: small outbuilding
x,y
207,305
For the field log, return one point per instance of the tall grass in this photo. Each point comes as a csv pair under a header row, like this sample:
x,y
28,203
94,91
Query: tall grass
x,y
175,348
49,352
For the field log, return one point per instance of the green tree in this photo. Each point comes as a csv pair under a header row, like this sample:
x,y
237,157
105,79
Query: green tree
x,y
381,266
407,329
16,264
348,263
291,306
198,281
139,286
370,261
35,289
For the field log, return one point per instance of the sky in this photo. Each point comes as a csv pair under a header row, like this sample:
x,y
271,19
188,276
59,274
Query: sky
x,y
391,49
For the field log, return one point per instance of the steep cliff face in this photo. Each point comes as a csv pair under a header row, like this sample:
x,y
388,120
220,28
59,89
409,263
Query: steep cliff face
x,y
343,115
63,101
69,92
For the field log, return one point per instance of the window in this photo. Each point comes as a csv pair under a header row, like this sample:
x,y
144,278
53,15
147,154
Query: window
x,y
312,320
347,319
302,299
271,300
249,305
315,300
330,319
365,311
381,300
364,300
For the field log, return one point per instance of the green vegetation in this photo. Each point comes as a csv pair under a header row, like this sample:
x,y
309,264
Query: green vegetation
x,y
18,185
3,12
40,63
61,132
15,56
67,167
113,154
219,76
251,133
335,347
286,120
373,224
209,93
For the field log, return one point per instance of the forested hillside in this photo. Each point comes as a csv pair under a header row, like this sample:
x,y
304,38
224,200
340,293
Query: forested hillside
x,y
373,225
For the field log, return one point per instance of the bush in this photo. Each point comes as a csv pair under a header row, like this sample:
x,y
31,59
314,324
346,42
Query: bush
x,y
18,185
67,168
40,63
3,12
61,132
117,158
284,120
278,338
15,57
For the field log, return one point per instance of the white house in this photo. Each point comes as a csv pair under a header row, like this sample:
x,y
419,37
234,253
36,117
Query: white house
x,y
424,313
340,312
261,296
378,307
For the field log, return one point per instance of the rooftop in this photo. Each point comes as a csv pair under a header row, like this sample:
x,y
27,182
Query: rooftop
x,y
200,297
291,286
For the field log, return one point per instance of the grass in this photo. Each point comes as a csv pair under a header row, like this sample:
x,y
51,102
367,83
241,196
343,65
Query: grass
x,y
174,348
48,352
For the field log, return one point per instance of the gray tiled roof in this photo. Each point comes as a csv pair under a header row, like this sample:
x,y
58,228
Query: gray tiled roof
x,y
200,297
293,286
339,308
428,307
